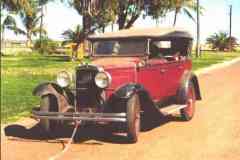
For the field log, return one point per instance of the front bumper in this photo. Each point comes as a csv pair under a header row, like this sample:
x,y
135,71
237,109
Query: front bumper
x,y
81,116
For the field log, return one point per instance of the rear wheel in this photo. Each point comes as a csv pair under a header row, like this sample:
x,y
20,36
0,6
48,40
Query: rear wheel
x,y
188,112
48,104
133,118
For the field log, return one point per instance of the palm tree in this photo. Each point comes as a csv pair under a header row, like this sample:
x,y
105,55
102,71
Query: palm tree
x,y
12,6
42,3
16,5
220,41
29,15
185,6
74,36
7,23
31,23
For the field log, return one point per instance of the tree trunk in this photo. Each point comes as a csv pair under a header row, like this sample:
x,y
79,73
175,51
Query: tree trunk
x,y
41,27
121,22
132,20
86,24
29,39
3,43
86,30
121,16
112,26
1,32
175,17
103,29
198,30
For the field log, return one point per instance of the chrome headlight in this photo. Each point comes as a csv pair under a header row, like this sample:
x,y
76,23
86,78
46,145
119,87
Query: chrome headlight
x,y
103,79
63,79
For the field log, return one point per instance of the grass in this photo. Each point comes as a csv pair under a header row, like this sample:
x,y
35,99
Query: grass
x,y
20,74
210,58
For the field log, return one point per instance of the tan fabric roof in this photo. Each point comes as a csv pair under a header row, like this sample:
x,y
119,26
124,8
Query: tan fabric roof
x,y
143,32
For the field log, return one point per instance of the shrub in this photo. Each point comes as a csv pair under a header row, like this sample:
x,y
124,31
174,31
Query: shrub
x,y
48,46
221,41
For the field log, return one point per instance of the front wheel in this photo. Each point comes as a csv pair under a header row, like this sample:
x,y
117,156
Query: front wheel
x,y
48,103
188,112
133,118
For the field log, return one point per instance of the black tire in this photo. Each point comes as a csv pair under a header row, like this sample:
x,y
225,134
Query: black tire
x,y
48,103
133,118
190,100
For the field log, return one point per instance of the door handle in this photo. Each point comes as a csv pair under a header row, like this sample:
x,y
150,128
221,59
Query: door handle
x,y
163,70
180,67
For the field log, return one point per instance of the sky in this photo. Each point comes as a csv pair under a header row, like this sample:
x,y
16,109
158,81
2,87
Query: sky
x,y
60,17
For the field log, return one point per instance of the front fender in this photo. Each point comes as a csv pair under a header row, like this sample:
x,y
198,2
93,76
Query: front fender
x,y
64,96
126,91
47,88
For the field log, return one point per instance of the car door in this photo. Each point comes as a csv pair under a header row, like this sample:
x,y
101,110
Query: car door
x,y
172,72
151,78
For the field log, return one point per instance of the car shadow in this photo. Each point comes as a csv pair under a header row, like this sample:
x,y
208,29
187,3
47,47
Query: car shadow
x,y
101,133
36,132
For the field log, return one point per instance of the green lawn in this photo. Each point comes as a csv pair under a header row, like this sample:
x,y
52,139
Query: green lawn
x,y
20,74
209,58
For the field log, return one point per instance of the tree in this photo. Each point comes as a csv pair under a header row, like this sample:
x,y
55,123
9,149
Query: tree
x,y
16,5
29,14
221,41
96,13
73,36
128,11
42,3
185,6
12,6
8,22
124,12
198,49
30,22
100,13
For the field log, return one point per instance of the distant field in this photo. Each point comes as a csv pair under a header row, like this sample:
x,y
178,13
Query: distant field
x,y
20,74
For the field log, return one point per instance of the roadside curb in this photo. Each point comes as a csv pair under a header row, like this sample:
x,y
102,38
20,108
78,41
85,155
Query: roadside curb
x,y
217,66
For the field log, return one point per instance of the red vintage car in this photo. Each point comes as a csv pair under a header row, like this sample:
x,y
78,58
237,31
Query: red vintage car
x,y
133,73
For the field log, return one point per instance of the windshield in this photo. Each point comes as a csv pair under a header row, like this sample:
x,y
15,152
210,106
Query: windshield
x,y
120,47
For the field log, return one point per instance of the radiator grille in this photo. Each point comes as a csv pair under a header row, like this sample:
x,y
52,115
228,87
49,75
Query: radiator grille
x,y
86,90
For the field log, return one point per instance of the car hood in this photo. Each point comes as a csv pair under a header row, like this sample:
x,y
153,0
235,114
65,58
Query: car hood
x,y
116,62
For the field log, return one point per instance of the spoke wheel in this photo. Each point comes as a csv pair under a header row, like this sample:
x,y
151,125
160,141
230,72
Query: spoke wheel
x,y
188,112
48,103
133,118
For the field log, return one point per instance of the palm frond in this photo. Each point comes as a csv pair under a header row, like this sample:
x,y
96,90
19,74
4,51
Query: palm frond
x,y
73,35
188,13
37,30
16,30
9,21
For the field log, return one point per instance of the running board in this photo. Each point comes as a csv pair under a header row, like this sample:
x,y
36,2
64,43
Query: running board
x,y
171,109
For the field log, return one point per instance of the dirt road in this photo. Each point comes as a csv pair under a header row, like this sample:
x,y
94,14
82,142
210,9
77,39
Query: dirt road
x,y
213,134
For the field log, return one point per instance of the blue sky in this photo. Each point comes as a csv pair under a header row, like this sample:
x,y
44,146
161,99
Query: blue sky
x,y
59,17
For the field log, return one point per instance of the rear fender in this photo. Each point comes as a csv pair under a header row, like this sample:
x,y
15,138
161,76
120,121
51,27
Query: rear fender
x,y
182,91
65,97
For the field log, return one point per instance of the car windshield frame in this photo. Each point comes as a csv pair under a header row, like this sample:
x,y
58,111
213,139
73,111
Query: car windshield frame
x,y
146,43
